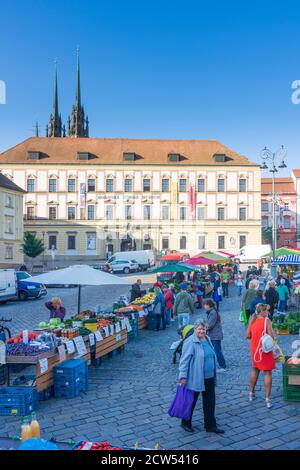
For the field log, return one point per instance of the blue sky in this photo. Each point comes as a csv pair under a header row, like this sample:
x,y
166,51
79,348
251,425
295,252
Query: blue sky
x,y
156,69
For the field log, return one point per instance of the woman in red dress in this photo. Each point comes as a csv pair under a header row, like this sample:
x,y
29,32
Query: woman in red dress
x,y
260,360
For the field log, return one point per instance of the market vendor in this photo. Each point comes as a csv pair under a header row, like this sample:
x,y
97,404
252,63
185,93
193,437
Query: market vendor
x,y
136,291
56,308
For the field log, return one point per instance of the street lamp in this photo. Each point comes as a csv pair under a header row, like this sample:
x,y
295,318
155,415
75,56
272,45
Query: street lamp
x,y
270,160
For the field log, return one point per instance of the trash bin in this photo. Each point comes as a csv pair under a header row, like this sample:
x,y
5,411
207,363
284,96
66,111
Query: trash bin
x,y
183,319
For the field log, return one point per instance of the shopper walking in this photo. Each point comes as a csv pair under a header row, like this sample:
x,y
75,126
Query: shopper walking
x,y
197,371
183,306
258,299
159,309
259,325
239,284
168,296
272,298
215,332
225,282
283,293
217,291
248,296
199,290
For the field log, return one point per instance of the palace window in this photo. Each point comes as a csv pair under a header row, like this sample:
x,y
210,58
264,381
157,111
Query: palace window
x,y
146,185
221,185
71,213
91,212
165,212
9,252
30,185
201,242
147,212
165,243
182,213
52,213
91,185
109,185
71,185
182,242
52,245
128,185
128,212
165,185
221,242
201,213
221,213
242,213
182,185
52,185
242,185
201,185
242,241
109,212
30,212
71,242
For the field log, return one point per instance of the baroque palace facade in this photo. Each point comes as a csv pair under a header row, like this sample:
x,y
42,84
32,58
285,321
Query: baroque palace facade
x,y
87,197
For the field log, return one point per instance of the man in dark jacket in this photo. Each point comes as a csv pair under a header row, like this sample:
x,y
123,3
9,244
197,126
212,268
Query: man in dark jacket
x,y
136,291
272,298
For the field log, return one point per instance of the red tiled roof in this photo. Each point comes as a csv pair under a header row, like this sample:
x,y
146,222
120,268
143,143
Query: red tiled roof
x,y
110,151
282,185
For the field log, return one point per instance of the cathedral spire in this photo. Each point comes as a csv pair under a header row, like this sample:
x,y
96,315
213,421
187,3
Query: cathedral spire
x,y
55,127
77,125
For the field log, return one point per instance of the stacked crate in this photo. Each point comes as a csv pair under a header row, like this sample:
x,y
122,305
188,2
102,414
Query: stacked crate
x,y
17,400
291,381
70,378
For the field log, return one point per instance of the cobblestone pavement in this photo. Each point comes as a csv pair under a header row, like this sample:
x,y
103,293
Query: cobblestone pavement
x,y
129,394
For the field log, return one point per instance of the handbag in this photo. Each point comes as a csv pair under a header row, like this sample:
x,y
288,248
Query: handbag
x,y
278,353
182,403
267,344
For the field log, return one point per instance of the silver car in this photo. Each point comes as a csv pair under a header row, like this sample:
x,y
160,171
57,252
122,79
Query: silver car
x,y
123,266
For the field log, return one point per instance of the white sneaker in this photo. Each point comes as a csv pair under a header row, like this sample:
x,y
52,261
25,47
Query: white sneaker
x,y
221,370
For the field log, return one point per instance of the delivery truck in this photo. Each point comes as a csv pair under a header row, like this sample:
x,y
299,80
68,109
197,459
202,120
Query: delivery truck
x,y
252,253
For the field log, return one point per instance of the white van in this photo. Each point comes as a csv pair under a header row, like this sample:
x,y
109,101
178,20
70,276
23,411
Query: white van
x,y
252,253
8,285
144,258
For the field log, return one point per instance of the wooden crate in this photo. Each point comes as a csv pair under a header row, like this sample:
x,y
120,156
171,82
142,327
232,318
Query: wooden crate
x,y
110,343
29,359
46,380
143,321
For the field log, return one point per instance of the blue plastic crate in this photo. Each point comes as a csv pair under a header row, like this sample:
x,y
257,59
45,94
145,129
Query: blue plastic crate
x,y
62,379
70,391
70,383
71,369
17,400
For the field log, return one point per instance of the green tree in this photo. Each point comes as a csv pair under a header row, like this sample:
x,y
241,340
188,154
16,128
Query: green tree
x,y
32,246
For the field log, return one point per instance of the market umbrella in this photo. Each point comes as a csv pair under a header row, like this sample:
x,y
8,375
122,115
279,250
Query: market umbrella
x,y
173,268
225,253
283,251
283,260
80,275
201,261
212,256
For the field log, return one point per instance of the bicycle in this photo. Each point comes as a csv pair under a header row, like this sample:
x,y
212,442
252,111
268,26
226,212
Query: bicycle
x,y
5,334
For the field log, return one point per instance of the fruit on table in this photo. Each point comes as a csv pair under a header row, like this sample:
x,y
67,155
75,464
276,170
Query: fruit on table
x,y
19,338
42,324
21,349
146,299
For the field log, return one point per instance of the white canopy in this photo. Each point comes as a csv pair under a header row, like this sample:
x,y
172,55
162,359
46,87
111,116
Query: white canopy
x,y
80,275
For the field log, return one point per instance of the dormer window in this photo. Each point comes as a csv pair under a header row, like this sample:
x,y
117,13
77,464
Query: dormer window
x,y
83,156
174,157
220,157
33,155
128,156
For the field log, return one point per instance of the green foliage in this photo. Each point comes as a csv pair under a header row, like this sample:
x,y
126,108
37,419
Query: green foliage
x,y
32,246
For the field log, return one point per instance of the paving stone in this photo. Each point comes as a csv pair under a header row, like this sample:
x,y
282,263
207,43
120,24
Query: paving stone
x,y
271,443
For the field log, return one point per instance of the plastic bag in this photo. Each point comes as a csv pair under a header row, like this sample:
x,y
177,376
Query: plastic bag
x,y
181,406
278,353
37,444
175,345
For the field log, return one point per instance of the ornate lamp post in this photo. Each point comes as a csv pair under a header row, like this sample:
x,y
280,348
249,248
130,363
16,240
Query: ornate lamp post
x,y
270,163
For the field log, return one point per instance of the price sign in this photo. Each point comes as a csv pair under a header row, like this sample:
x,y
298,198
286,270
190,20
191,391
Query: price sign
x,y
118,329
80,345
98,336
123,324
70,347
43,365
92,339
106,331
118,337
128,326
62,353
112,330
25,336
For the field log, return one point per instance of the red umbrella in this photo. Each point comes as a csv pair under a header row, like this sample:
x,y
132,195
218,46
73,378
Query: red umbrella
x,y
200,261
222,252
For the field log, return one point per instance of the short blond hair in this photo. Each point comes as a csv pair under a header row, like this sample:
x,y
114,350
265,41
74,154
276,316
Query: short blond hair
x,y
55,300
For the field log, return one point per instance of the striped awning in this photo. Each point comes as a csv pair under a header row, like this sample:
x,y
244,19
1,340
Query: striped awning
x,y
290,259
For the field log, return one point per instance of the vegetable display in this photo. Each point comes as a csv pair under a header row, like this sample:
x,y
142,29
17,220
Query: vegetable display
x,y
96,446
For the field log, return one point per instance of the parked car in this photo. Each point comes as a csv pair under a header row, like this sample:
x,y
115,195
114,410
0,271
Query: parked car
x,y
145,258
27,288
8,285
123,266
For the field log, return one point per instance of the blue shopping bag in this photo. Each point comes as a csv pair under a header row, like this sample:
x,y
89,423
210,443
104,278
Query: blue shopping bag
x,y
181,406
